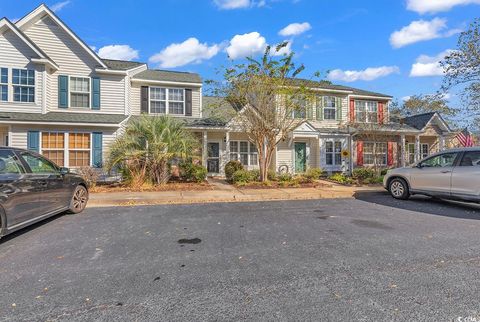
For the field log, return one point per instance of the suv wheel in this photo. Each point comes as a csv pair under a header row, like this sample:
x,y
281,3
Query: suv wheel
x,y
79,200
399,189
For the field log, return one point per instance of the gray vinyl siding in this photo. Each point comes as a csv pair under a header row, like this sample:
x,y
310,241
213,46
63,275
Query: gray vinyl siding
x,y
135,98
14,53
73,60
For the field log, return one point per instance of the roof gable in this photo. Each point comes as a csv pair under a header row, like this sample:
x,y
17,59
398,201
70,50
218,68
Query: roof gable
x,y
421,121
40,12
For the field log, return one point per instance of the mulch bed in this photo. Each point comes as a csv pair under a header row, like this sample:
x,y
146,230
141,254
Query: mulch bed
x,y
170,186
276,185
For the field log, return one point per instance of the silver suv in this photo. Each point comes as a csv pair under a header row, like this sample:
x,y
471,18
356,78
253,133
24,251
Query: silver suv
x,y
451,174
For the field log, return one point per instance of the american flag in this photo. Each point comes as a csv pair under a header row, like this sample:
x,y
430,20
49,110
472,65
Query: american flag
x,y
465,138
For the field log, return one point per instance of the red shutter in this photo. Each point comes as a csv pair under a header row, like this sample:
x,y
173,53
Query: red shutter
x,y
390,153
359,153
352,110
380,113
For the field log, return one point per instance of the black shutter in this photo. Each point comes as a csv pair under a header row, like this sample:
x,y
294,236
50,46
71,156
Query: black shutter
x,y
188,102
144,100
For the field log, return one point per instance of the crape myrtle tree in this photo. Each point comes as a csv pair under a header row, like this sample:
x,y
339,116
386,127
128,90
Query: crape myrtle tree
x,y
462,68
269,100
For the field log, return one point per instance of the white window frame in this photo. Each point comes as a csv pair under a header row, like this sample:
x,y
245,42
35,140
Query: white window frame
x,y
375,153
333,153
4,84
167,100
365,110
249,152
66,154
89,149
70,91
12,86
422,153
329,108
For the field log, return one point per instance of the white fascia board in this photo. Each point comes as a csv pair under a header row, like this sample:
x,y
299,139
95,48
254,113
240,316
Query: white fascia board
x,y
44,10
46,62
59,123
371,97
156,82
110,71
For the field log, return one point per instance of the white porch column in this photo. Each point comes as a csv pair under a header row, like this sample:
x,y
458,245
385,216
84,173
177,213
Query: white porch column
x,y
204,150
417,148
402,149
227,146
441,143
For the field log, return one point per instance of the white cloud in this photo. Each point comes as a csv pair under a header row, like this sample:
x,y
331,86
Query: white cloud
x,y
406,98
428,65
232,4
187,52
284,50
56,7
294,29
432,6
120,52
418,31
245,45
368,74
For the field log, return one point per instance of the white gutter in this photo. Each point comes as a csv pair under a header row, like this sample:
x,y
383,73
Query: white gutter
x,y
371,97
5,121
138,80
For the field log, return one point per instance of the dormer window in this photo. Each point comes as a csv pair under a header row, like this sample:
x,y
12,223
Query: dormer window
x,y
23,81
167,101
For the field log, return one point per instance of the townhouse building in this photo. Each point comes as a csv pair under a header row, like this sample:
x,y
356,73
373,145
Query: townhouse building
x,y
60,99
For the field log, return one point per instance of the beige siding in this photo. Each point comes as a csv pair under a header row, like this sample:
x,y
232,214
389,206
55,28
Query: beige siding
x,y
284,155
18,134
14,53
331,123
135,97
73,60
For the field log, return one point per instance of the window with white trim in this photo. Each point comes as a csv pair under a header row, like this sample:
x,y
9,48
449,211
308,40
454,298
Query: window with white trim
x,y
425,149
245,152
333,152
53,147
167,101
375,151
79,149
366,111
3,84
23,81
329,108
79,92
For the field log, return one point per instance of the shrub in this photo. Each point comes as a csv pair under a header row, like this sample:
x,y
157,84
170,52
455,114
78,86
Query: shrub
x,y
284,177
89,174
313,174
341,178
231,167
192,172
362,174
241,177
254,175
272,175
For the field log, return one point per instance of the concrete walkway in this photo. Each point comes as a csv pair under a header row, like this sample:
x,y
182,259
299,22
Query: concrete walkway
x,y
222,192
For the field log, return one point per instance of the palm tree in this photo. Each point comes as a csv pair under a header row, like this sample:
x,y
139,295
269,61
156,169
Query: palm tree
x,y
147,147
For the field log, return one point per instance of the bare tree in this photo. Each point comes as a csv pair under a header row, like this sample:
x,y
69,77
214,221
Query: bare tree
x,y
266,96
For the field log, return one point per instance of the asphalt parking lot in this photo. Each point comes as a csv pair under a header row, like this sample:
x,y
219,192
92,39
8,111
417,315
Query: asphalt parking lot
x,y
369,258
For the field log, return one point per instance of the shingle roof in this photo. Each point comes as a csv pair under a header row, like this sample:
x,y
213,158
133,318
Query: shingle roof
x,y
217,107
168,76
418,121
194,122
328,85
387,127
68,117
121,64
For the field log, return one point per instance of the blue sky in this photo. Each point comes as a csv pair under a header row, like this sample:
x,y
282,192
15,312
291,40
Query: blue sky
x,y
370,44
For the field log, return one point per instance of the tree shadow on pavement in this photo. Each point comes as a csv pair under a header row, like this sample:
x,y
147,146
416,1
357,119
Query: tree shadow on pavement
x,y
423,204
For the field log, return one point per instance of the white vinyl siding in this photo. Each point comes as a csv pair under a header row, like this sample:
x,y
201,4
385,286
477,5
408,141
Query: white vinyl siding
x,y
74,60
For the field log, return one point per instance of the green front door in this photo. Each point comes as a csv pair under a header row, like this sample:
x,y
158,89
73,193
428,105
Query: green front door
x,y
300,157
